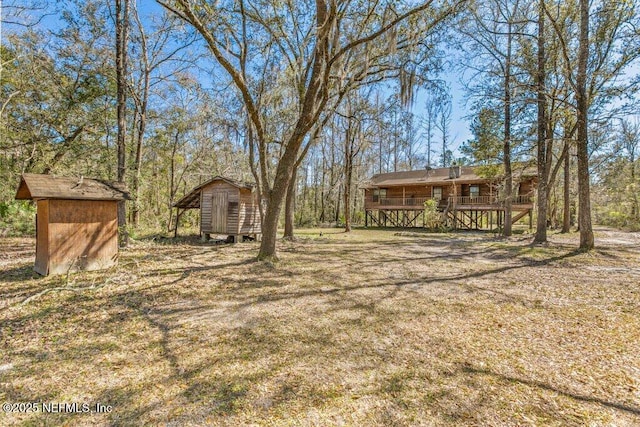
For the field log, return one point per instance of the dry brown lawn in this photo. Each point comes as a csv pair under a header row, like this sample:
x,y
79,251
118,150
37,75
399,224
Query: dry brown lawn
x,y
372,328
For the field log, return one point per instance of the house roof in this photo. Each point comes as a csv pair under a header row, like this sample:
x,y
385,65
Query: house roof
x,y
432,177
37,186
192,199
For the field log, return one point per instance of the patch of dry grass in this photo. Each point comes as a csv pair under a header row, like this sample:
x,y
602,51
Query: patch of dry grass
x,y
367,328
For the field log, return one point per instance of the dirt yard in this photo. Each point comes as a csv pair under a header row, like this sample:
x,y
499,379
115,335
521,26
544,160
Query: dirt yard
x,y
374,328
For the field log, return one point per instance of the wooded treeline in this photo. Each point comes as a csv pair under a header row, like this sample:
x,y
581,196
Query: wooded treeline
x,y
310,98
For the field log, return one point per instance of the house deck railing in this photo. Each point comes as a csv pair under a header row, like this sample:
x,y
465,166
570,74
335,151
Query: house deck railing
x,y
489,200
418,202
402,201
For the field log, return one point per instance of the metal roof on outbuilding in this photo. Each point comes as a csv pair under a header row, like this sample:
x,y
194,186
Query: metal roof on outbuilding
x,y
38,186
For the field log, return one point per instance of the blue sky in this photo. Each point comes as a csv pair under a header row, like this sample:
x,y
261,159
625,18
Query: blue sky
x,y
459,130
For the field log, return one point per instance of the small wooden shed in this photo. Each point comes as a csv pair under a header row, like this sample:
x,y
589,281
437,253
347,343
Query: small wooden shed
x,y
76,222
226,206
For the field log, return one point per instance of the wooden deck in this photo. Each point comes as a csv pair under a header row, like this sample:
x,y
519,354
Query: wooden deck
x,y
452,202
458,212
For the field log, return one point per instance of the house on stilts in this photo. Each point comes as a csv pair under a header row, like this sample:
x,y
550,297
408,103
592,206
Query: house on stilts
x,y
465,199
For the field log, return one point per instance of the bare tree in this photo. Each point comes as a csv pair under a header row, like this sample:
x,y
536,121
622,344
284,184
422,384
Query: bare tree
x,y
492,33
429,124
352,147
23,14
566,187
506,147
314,43
594,75
584,195
122,28
630,145
443,124
544,149
157,49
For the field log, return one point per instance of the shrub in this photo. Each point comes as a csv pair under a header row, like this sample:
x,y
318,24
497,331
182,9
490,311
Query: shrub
x,y
432,217
17,218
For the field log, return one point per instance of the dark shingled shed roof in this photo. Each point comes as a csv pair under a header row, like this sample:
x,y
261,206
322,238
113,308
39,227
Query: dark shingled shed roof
x,y
192,200
36,186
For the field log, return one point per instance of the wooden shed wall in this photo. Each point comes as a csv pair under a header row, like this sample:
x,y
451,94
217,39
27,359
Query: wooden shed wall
x,y
42,238
249,219
242,214
206,207
82,235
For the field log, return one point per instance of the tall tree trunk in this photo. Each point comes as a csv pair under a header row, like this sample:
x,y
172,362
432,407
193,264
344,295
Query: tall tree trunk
x,y
274,206
142,123
379,132
347,205
323,187
173,186
290,202
428,139
348,175
135,184
290,208
305,192
122,13
508,174
635,214
395,142
543,149
287,166
444,142
584,202
338,199
566,216
316,190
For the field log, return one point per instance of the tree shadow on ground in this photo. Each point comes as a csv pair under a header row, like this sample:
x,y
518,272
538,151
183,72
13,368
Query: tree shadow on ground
x,y
470,369
20,273
203,373
418,281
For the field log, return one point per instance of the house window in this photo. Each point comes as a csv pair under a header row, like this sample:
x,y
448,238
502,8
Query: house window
x,y
378,194
437,193
474,191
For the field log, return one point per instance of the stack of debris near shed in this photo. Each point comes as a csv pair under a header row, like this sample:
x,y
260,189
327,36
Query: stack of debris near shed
x,y
227,207
76,221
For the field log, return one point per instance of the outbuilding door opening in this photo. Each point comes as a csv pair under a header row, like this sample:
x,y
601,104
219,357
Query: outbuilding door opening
x,y
219,212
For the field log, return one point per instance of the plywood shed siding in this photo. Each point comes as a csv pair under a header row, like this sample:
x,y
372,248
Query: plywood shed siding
x,y
76,235
76,221
232,194
249,219
226,207
42,238
83,235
